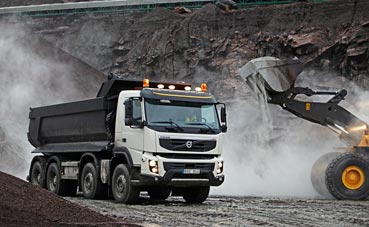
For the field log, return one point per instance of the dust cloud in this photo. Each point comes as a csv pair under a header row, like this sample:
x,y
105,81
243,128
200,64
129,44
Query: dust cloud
x,y
27,80
274,158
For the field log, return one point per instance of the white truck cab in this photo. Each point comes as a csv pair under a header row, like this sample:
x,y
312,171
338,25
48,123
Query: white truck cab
x,y
174,137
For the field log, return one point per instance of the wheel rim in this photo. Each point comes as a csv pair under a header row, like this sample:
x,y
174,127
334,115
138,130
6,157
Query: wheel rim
x,y
353,177
36,178
88,182
53,182
120,185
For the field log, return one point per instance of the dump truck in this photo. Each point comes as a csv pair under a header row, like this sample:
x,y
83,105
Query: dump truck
x,y
343,175
135,136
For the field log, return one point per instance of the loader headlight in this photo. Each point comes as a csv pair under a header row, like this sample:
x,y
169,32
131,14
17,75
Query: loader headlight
x,y
153,166
220,167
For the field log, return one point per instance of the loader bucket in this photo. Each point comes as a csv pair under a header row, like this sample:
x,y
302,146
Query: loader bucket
x,y
271,74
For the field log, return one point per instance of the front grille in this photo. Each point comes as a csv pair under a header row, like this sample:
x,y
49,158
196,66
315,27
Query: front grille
x,y
187,145
187,156
201,166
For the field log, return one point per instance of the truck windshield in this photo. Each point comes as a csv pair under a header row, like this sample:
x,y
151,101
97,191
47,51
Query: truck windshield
x,y
178,116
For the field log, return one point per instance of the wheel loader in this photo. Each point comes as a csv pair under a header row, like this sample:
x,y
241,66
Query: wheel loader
x,y
343,175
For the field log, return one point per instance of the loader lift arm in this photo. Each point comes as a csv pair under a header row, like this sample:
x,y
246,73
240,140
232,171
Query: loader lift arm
x,y
328,113
273,80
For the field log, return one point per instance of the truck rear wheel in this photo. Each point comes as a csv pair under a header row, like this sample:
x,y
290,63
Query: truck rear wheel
x,y
196,194
92,187
55,184
122,189
159,193
36,174
347,176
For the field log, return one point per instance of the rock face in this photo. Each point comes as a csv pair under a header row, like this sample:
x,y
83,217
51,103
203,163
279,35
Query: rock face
x,y
210,45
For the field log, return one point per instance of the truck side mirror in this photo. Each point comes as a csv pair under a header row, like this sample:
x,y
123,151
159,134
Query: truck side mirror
x,y
129,110
224,128
223,119
223,115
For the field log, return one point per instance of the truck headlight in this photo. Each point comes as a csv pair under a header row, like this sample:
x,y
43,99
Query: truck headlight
x,y
220,167
153,166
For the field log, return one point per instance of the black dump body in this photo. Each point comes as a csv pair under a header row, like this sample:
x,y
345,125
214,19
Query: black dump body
x,y
81,121
81,126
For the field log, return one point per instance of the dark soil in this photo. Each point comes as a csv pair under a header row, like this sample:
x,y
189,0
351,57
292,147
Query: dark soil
x,y
24,204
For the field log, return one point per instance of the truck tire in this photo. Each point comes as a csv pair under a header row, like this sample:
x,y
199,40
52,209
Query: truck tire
x,y
159,193
36,174
55,184
196,194
122,189
347,176
92,187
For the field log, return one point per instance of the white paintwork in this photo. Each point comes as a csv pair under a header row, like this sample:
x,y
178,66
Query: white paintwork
x,y
134,136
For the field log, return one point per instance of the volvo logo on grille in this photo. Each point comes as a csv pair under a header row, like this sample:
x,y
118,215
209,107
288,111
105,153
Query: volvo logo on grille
x,y
189,144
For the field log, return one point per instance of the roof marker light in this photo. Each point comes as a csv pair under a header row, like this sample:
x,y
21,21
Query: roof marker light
x,y
204,87
172,87
198,89
187,88
160,86
146,83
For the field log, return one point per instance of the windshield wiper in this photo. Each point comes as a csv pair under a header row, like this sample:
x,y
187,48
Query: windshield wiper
x,y
169,122
201,123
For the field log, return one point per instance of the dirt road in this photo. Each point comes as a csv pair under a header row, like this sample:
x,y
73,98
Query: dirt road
x,y
238,211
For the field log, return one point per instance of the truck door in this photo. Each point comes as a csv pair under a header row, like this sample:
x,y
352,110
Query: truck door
x,y
132,133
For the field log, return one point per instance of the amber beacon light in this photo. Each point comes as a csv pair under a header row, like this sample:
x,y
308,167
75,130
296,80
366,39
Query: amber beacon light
x,y
204,87
146,83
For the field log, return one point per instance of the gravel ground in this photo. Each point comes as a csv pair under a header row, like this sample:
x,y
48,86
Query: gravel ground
x,y
237,211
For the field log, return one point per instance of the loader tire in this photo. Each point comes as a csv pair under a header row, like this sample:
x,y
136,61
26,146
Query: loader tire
x,y
347,176
91,185
196,194
122,188
317,175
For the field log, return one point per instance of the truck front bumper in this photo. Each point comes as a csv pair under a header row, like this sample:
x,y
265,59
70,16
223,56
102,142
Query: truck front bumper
x,y
176,178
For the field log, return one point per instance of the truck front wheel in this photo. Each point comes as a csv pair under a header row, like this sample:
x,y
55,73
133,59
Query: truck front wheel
x,y
122,189
92,187
196,195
